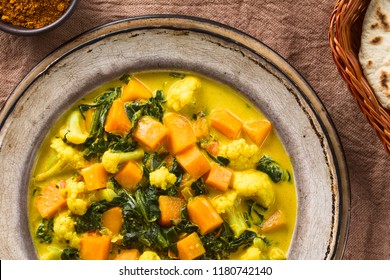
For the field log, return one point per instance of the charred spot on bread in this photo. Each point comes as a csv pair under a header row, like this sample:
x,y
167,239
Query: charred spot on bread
x,y
376,40
384,81
382,17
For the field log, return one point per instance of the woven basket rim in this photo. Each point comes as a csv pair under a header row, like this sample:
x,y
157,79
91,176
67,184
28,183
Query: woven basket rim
x,y
347,17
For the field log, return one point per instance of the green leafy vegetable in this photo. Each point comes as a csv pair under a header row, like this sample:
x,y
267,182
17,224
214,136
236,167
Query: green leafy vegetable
x,y
70,253
273,169
219,245
95,149
177,75
184,225
121,144
152,107
45,231
153,161
176,169
141,213
125,78
255,212
102,104
199,187
147,203
96,144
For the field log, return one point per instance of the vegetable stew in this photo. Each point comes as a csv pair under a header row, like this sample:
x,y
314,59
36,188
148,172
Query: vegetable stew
x,y
162,165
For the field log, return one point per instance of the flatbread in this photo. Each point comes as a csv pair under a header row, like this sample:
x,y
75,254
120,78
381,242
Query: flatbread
x,y
374,53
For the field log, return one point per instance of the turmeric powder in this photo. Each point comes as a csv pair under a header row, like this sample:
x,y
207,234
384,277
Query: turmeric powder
x,y
32,13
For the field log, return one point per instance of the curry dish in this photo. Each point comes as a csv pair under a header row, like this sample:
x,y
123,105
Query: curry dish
x,y
162,165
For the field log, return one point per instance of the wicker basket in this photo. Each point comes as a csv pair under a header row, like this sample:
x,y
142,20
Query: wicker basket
x,y
344,37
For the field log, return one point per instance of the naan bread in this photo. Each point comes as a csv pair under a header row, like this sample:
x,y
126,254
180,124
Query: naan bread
x,y
374,54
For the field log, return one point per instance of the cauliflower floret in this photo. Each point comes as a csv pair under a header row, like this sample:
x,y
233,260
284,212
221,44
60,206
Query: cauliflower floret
x,y
111,160
69,155
241,155
149,255
277,254
78,206
162,178
107,193
52,253
73,190
229,205
64,231
182,92
66,156
254,184
224,201
74,130
252,253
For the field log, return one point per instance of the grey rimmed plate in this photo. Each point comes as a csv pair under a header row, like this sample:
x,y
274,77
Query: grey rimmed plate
x,y
181,43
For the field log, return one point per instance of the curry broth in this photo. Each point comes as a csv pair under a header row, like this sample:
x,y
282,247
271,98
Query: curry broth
x,y
211,95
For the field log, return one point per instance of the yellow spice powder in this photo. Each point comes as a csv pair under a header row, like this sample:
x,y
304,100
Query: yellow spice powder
x,y
32,13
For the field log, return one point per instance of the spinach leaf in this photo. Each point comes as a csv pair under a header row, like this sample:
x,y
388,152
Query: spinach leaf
x,y
125,78
121,144
152,107
153,161
273,169
176,169
70,253
96,143
199,187
177,75
221,243
45,231
255,212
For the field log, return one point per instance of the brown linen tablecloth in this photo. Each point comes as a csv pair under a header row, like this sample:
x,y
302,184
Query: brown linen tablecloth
x,y
297,30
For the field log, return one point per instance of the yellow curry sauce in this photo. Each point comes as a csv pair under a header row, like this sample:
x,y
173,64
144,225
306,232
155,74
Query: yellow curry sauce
x,y
162,165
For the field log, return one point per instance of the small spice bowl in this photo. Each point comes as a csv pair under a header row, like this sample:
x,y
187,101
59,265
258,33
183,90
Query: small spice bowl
x,y
24,31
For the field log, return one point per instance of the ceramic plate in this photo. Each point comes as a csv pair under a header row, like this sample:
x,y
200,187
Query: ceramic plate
x,y
179,43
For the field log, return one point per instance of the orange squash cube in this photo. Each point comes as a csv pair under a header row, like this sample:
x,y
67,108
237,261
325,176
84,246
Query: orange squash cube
x,y
201,128
226,122
135,90
202,213
219,177
129,254
190,247
180,132
257,131
95,247
275,221
170,209
49,201
129,176
194,161
117,121
112,219
95,177
150,133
